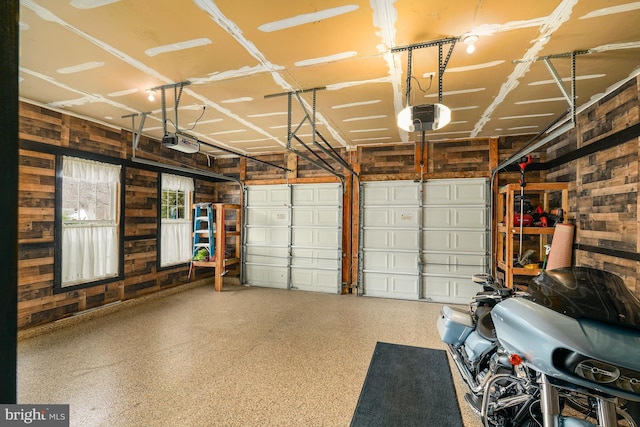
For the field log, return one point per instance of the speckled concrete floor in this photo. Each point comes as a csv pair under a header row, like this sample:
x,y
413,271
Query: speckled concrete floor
x,y
244,357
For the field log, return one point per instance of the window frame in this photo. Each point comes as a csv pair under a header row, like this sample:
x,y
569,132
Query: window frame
x,y
189,195
118,200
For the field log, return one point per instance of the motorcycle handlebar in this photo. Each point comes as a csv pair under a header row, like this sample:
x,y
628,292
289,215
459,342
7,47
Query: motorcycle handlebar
x,y
487,280
482,278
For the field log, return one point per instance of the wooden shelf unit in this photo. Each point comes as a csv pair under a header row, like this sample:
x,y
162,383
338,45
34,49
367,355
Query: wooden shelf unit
x,y
220,263
508,234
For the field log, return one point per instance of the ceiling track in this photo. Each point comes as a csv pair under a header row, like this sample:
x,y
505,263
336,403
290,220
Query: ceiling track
x,y
569,97
310,117
442,61
177,92
136,140
136,135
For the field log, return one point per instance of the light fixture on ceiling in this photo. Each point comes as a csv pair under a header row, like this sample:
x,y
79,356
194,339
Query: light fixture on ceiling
x,y
470,40
424,117
151,95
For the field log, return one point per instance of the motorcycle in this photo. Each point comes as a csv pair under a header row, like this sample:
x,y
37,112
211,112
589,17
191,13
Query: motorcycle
x,y
564,351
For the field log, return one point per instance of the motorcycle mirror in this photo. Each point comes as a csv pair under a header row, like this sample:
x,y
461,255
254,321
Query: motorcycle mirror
x,y
482,279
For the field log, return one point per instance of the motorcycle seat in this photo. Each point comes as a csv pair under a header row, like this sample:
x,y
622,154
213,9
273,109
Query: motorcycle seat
x,y
485,326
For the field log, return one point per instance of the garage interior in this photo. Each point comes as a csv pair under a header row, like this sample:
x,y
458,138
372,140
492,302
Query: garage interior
x,y
334,226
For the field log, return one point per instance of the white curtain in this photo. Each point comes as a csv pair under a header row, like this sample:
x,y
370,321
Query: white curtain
x,y
177,183
90,248
89,252
90,171
176,244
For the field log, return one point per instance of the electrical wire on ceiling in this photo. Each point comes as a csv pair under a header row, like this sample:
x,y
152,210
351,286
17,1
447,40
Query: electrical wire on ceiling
x,y
417,81
204,107
420,87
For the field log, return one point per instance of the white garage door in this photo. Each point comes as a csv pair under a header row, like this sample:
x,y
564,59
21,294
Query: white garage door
x,y
293,236
390,239
455,238
267,235
444,221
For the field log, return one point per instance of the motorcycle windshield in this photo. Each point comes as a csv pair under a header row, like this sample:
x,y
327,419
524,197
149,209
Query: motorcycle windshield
x,y
583,292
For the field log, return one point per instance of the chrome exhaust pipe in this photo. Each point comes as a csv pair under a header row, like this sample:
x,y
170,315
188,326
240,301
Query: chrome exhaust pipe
x,y
464,371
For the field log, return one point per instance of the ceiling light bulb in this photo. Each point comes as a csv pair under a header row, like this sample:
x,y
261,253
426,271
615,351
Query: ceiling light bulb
x,y
470,41
151,95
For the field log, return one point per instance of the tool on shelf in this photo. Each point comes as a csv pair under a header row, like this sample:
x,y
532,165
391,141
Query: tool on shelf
x,y
524,162
525,259
547,249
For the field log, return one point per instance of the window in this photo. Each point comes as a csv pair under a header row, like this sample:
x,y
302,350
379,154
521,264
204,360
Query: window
x,y
175,207
90,212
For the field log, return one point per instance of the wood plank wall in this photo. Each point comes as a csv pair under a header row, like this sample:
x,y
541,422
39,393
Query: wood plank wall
x,y
603,194
604,185
44,134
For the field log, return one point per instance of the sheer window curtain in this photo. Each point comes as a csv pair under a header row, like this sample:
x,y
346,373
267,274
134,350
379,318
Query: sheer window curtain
x,y
90,247
176,244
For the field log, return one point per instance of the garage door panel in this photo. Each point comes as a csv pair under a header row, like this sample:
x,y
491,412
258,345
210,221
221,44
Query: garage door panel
x,y
271,255
403,217
459,217
470,217
391,192
396,286
267,236
323,217
328,237
455,290
391,240
268,276
462,241
317,258
268,195
472,192
391,262
315,195
316,237
456,192
315,280
454,264
377,217
270,217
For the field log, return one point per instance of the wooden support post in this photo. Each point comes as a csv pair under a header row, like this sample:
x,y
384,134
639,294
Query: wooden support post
x,y
243,169
355,225
220,246
421,157
495,242
493,154
292,164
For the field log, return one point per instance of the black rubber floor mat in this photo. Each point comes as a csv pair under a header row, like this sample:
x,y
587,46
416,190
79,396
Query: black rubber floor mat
x,y
407,386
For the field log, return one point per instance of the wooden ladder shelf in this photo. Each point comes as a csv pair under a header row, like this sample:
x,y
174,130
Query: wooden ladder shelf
x,y
210,235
